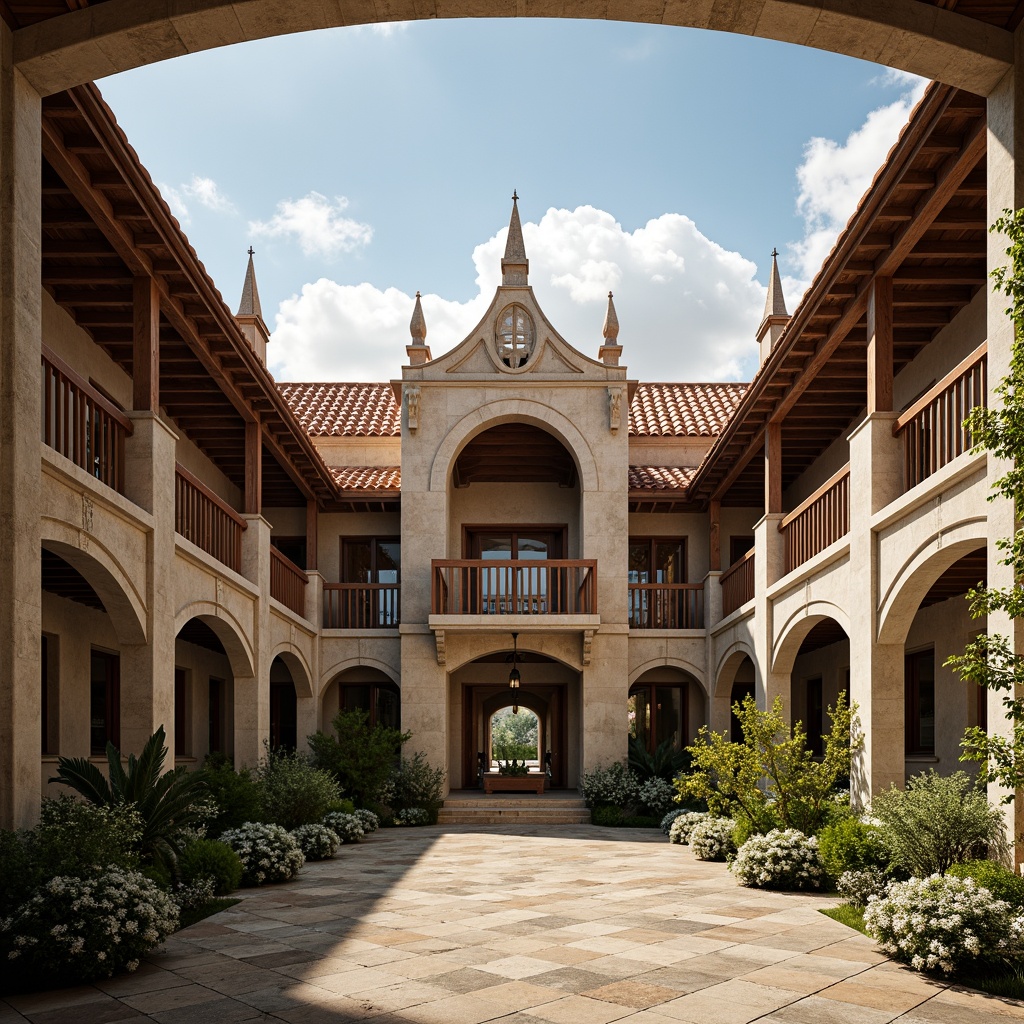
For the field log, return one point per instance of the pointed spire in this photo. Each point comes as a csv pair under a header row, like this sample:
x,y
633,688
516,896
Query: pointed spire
x,y
418,325
250,303
514,265
418,350
611,350
775,316
775,301
611,323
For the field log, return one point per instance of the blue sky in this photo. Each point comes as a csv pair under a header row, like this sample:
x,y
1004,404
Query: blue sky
x,y
363,165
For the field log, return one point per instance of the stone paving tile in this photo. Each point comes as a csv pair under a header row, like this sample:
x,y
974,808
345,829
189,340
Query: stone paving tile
x,y
570,925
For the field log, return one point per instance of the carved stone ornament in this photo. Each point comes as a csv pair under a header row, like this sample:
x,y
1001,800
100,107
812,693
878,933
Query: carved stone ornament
x,y
412,407
439,642
588,645
614,409
87,514
514,336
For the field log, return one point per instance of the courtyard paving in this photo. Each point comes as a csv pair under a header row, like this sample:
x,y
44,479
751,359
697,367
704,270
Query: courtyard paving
x,y
527,925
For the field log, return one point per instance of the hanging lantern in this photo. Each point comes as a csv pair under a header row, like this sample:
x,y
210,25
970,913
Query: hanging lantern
x,y
514,678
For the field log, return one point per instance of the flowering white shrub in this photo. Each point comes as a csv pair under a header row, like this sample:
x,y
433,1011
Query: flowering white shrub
x,y
268,853
666,822
79,929
368,820
782,859
412,816
317,842
857,887
711,839
347,827
657,795
190,895
941,922
614,786
683,825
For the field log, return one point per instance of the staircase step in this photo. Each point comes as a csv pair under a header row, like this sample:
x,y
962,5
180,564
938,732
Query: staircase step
x,y
469,808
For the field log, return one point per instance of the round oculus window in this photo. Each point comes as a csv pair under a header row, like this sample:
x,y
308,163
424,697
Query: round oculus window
x,y
514,336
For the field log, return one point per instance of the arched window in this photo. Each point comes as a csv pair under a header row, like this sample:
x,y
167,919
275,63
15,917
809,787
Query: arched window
x,y
380,699
658,712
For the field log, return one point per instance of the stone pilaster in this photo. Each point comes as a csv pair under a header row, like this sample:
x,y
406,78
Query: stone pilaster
x,y
20,339
769,568
252,696
147,670
876,670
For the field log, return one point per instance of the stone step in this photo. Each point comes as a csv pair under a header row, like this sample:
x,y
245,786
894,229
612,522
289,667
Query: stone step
x,y
480,816
512,802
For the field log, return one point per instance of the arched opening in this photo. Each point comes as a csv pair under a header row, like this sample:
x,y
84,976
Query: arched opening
x,y
284,707
741,690
737,679
363,688
665,705
480,690
938,706
514,733
821,671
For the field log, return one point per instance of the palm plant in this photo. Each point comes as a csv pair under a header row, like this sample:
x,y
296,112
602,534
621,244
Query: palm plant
x,y
665,763
166,802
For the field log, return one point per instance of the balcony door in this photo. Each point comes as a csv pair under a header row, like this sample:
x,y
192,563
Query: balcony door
x,y
653,561
511,589
377,563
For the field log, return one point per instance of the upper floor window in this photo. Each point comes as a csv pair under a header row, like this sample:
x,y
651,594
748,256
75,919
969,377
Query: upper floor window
x,y
371,559
657,560
514,336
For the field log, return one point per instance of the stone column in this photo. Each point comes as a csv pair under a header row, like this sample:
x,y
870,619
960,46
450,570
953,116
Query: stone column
x,y
147,672
252,695
20,340
876,670
769,568
1005,192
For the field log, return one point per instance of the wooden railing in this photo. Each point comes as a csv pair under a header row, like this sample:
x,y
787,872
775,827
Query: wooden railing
x,y
82,425
933,428
206,520
738,584
485,587
819,521
362,605
287,582
666,605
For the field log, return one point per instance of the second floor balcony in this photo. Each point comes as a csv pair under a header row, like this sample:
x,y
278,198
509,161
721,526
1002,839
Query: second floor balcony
x,y
514,587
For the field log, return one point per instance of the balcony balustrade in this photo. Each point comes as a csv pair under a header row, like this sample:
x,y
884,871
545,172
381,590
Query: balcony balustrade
x,y
738,584
287,582
817,522
362,605
206,520
81,424
933,428
666,605
514,587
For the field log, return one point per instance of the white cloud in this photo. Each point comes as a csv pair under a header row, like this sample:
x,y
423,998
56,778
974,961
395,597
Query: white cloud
x,y
688,308
176,201
206,192
834,176
318,224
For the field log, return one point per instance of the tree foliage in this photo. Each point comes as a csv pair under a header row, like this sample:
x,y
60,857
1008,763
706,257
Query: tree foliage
x,y
990,660
771,778
514,736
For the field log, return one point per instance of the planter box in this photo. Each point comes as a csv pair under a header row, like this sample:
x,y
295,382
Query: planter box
x,y
494,782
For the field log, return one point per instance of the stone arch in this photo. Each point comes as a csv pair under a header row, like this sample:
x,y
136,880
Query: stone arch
x,y
729,663
229,631
795,631
329,675
514,410
670,662
903,34
500,646
298,667
121,599
921,569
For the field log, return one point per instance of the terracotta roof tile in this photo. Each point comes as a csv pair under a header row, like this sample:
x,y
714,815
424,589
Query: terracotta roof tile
x,y
368,478
344,409
683,410
660,478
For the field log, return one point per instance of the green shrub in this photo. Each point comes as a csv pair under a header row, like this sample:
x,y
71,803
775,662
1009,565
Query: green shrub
x,y
851,845
293,791
359,755
208,858
414,783
234,792
771,777
665,763
611,785
1003,883
745,828
167,802
268,853
16,869
342,806
936,822
607,815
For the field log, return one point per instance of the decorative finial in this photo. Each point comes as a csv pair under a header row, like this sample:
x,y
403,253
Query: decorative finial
x,y
252,252
611,323
418,325
775,253
515,196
